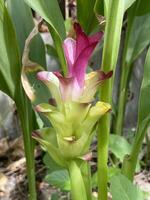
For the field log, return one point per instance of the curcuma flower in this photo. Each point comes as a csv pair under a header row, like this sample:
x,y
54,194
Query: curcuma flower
x,y
73,114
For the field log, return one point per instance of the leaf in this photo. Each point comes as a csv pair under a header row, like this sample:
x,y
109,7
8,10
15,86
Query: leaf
x,y
35,89
128,3
22,19
50,163
99,7
144,7
112,171
51,51
119,146
87,21
50,11
102,5
139,37
10,67
144,108
123,189
59,179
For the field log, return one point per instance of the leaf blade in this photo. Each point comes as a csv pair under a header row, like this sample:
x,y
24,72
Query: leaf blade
x,y
22,19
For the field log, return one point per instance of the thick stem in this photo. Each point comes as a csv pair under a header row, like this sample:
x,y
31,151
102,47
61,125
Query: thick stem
x,y
28,146
109,60
78,190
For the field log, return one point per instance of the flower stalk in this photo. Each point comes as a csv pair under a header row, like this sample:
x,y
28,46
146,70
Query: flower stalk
x,y
86,174
78,189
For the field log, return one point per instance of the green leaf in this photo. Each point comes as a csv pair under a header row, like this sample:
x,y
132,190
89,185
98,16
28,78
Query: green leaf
x,y
22,19
144,108
35,89
86,15
50,11
102,5
59,179
51,51
112,171
10,67
119,146
99,7
139,37
128,3
123,189
144,7
51,164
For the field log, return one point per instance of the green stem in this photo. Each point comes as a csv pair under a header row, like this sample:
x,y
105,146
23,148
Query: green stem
x,y
148,149
28,145
78,190
86,174
109,60
126,67
122,99
130,162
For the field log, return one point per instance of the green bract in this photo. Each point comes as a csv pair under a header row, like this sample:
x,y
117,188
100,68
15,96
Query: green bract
x,y
73,124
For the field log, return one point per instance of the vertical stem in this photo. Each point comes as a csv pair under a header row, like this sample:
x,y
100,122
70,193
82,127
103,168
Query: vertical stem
x,y
109,60
86,174
125,72
148,149
78,190
126,69
28,145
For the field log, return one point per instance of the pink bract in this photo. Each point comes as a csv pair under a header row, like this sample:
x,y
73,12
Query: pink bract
x,y
78,52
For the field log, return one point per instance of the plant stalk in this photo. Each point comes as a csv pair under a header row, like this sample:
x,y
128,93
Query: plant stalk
x,y
28,145
126,68
78,190
86,174
109,60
